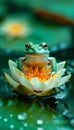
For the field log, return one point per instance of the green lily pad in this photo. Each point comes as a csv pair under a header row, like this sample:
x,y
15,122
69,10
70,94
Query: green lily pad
x,y
18,115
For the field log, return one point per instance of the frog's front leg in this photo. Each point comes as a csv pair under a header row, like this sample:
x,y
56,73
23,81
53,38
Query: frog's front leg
x,y
53,64
20,62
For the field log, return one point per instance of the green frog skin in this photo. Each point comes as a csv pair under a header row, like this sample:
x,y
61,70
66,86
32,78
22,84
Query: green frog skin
x,y
37,55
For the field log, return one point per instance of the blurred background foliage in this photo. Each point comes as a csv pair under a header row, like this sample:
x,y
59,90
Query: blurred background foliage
x,y
50,21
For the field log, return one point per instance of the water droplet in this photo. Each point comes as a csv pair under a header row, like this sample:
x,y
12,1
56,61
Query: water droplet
x,y
21,128
40,128
22,116
25,124
12,126
5,119
0,117
1,103
11,115
39,122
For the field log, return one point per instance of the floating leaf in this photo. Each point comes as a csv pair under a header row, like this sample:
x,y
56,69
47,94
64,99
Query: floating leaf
x,y
29,116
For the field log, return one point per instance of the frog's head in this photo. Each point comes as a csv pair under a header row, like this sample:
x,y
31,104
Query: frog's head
x,y
31,48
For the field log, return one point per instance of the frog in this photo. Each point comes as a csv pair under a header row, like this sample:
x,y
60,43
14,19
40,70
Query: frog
x,y
37,55
36,73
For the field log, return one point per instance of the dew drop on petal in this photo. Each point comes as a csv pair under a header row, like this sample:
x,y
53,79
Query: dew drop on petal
x,y
5,119
22,116
39,122
12,126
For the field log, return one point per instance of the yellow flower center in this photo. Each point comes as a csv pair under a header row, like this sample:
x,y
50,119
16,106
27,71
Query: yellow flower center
x,y
42,73
15,29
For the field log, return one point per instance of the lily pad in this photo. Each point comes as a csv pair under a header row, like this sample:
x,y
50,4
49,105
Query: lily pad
x,y
29,116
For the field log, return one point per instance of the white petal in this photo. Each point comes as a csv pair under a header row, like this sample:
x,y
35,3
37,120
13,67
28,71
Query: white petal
x,y
19,77
12,63
12,70
50,87
60,73
37,85
49,83
10,80
61,65
17,86
56,83
64,79
52,84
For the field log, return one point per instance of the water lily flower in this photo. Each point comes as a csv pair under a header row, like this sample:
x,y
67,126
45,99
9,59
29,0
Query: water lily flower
x,y
15,28
38,82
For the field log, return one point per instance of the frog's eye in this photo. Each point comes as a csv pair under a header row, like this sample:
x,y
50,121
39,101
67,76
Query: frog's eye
x,y
27,46
44,45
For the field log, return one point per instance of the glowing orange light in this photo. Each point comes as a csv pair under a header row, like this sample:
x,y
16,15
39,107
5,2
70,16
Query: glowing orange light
x,y
42,74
